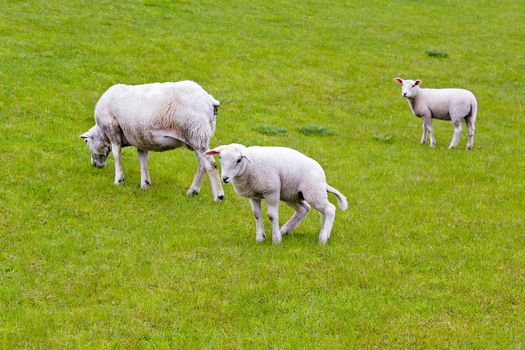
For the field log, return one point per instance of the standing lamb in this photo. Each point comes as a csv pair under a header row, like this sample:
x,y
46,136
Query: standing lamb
x,y
444,104
275,174
155,117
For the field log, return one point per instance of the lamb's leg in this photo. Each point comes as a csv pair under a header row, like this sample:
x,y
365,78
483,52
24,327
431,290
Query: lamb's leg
x,y
119,172
471,129
427,120
317,197
457,134
273,214
145,181
328,212
259,225
213,174
424,136
196,185
301,210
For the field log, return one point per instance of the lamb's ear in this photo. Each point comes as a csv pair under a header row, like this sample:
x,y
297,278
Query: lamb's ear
x,y
398,80
418,82
215,151
245,156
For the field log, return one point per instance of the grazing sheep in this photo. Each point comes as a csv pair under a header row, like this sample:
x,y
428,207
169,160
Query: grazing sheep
x,y
275,174
444,104
155,117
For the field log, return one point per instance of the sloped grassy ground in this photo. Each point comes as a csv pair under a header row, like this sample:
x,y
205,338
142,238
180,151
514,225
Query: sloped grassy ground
x,y
429,255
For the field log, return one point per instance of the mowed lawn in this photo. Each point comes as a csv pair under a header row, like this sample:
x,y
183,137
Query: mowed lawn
x,y
430,254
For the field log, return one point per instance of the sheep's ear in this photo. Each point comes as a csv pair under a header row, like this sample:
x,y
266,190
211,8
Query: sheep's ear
x,y
85,136
398,80
418,82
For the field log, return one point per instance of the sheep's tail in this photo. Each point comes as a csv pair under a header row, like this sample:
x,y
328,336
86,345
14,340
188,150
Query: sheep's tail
x,y
343,204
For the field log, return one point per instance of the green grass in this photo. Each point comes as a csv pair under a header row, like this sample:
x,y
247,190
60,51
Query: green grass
x,y
430,254
315,129
436,53
270,130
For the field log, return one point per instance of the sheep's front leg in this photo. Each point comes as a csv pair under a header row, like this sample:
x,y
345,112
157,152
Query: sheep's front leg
x,y
273,214
424,136
259,225
145,181
119,172
196,185
457,134
301,210
427,120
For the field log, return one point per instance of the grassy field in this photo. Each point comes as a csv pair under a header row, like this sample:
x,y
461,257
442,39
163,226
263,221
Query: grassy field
x,y
430,254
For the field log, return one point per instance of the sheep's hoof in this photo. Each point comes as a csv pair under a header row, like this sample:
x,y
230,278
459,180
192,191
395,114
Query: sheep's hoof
x,y
221,197
432,145
192,193
145,186
259,239
422,142
276,240
469,147
323,239
119,181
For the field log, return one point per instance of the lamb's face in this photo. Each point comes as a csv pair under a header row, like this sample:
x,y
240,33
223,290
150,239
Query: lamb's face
x,y
409,88
98,145
233,163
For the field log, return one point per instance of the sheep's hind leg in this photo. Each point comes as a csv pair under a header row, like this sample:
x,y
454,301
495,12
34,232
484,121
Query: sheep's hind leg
x,y
257,213
196,185
318,198
471,129
301,210
213,174
145,181
457,134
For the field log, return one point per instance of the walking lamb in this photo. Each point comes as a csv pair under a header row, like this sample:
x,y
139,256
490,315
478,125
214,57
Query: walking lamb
x,y
444,104
275,174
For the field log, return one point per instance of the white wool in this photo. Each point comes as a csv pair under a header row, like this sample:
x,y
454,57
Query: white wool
x,y
156,117
279,174
445,104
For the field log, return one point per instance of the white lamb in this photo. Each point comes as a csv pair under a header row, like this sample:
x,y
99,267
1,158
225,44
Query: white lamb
x,y
275,174
444,104
155,117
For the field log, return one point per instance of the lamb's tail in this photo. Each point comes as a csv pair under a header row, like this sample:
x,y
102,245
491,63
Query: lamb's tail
x,y
343,204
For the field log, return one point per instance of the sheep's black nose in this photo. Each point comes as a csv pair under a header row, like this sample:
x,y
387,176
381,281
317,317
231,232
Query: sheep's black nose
x,y
225,179
404,94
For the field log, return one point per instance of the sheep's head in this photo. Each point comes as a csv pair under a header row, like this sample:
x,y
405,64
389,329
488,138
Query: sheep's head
x,y
233,160
99,146
409,88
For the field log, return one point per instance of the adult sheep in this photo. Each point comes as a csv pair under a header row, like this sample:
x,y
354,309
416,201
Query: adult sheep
x,y
275,174
444,104
155,117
